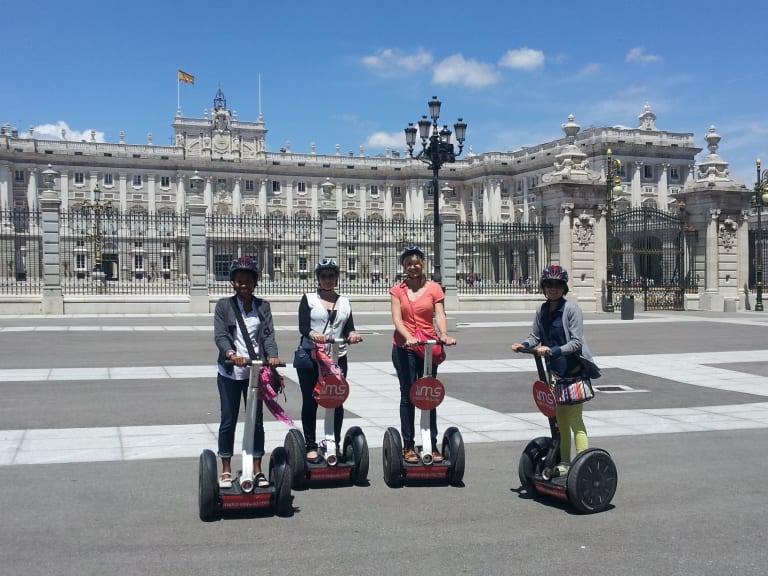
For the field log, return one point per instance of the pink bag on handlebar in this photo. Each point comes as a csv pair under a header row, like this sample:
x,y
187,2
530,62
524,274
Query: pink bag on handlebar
x,y
438,350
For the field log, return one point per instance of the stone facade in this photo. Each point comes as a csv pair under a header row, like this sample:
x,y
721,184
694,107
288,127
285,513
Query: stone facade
x,y
220,165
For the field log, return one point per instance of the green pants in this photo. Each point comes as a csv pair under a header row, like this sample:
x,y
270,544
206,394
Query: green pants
x,y
569,421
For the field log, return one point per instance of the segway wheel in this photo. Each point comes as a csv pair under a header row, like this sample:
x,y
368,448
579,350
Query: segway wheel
x,y
532,462
592,481
356,447
453,452
280,477
295,446
391,457
208,488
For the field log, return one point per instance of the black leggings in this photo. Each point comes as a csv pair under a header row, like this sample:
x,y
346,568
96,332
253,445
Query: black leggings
x,y
307,382
410,367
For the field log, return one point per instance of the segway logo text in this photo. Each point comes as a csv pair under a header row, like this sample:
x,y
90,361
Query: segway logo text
x,y
335,390
428,392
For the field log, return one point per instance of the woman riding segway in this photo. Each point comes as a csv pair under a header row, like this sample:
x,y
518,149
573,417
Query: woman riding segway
x,y
324,316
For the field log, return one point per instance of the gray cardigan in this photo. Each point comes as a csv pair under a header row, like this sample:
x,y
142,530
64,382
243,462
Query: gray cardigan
x,y
225,327
573,325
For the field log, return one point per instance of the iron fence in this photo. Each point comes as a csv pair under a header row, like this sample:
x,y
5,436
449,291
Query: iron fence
x,y
134,253
20,252
758,257
501,258
286,249
369,252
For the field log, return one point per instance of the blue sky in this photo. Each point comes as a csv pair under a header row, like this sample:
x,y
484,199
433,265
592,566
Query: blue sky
x,y
355,73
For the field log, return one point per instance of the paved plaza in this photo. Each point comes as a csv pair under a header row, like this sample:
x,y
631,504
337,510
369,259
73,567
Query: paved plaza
x,y
103,419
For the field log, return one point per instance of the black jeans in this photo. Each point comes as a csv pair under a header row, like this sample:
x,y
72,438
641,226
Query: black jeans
x,y
410,367
307,382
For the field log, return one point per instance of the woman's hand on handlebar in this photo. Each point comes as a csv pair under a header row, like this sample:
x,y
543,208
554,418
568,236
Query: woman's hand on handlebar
x,y
274,362
448,340
354,338
517,347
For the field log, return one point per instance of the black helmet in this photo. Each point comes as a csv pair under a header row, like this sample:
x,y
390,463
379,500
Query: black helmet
x,y
327,264
244,264
555,273
411,250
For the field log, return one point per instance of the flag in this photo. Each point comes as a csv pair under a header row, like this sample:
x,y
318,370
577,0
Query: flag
x,y
187,78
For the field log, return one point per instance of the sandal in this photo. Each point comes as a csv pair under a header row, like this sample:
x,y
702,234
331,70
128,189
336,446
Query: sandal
x,y
436,457
313,457
225,480
410,456
260,480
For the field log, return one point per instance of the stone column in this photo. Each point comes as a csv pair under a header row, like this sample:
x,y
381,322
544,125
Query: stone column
x,y
329,235
565,240
181,194
32,190
52,300
449,239
198,281
6,203
711,298
151,194
237,198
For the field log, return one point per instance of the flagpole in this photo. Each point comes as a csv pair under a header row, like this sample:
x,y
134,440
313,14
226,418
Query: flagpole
x,y
178,92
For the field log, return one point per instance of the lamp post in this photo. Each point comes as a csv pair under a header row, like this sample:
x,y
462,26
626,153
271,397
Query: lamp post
x,y
436,150
98,208
761,199
612,188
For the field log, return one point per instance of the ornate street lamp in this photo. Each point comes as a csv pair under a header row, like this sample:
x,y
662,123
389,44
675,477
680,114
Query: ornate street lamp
x,y
436,150
761,199
613,188
98,208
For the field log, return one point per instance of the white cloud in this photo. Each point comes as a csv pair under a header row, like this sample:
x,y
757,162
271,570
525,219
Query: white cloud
x,y
394,141
591,69
523,59
638,54
390,62
62,131
457,70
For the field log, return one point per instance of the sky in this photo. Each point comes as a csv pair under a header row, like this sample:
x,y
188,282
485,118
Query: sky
x,y
355,74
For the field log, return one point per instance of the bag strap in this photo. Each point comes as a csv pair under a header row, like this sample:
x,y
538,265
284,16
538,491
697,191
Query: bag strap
x,y
243,329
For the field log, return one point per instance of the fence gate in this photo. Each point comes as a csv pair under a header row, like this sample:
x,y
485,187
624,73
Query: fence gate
x,y
651,252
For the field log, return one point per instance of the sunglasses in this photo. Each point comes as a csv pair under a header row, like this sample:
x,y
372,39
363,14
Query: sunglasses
x,y
553,284
327,276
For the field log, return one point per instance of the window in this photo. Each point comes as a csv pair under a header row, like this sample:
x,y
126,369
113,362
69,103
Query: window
x,y
138,262
374,190
19,176
166,263
647,171
80,261
108,180
275,186
397,192
350,188
623,171
301,187
674,173
137,180
165,181
250,186
79,178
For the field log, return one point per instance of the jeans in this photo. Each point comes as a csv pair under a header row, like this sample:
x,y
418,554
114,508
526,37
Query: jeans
x,y
410,367
307,382
230,392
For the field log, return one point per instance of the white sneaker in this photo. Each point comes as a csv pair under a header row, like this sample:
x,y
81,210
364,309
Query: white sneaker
x,y
562,469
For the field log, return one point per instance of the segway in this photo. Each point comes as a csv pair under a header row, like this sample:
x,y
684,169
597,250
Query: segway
x,y
348,464
426,393
244,494
589,485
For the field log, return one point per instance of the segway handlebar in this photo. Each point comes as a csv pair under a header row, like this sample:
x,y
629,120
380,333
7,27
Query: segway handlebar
x,y
531,351
230,363
341,340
